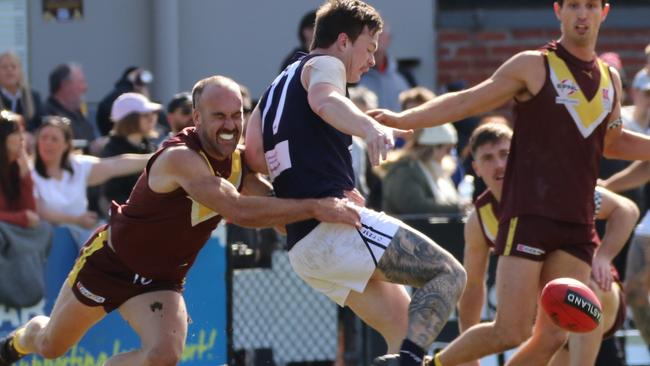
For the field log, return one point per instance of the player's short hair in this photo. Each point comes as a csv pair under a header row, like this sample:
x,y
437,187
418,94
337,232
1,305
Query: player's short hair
x,y
489,133
561,2
217,80
344,16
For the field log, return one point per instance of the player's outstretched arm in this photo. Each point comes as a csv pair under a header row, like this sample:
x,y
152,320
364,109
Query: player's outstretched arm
x,y
621,215
520,74
182,167
475,260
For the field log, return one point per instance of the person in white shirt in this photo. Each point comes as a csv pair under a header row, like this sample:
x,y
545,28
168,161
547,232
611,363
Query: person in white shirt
x,y
61,177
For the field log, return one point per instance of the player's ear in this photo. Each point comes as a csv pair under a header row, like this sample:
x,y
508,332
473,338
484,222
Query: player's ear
x,y
556,9
603,16
342,41
196,116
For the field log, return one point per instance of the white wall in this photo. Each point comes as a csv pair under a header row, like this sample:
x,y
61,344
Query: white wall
x,y
215,37
112,35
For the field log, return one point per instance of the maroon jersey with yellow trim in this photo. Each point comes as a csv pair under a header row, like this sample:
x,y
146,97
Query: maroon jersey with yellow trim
x,y
488,212
558,141
159,235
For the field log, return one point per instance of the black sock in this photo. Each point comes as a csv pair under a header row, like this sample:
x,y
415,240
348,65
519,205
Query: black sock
x,y
410,354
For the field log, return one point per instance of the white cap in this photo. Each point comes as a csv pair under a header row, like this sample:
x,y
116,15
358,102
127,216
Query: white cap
x,y
128,103
642,81
439,135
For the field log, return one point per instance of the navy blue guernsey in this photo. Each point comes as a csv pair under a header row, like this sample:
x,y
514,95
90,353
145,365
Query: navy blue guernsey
x,y
306,156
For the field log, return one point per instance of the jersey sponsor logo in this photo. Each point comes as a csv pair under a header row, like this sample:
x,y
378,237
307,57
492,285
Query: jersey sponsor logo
x,y
530,250
84,291
587,114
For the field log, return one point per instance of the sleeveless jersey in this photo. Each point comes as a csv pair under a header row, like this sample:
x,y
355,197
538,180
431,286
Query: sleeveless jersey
x,y
558,141
488,213
306,156
159,235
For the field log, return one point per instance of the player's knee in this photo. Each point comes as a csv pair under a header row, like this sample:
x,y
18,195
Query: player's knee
x,y
163,355
512,336
50,350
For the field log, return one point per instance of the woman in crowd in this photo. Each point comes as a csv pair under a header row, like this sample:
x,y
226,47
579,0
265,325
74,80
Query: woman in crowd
x,y
419,182
15,93
61,177
134,118
24,238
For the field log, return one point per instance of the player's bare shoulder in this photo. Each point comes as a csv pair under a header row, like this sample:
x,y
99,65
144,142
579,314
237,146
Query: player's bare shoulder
x,y
169,165
530,68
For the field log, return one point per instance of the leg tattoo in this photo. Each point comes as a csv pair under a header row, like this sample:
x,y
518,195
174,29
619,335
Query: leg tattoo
x,y
415,260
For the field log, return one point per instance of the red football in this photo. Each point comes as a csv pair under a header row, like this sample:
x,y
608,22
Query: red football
x,y
571,305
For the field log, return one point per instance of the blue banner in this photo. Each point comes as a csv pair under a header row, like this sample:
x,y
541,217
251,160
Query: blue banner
x,y
205,296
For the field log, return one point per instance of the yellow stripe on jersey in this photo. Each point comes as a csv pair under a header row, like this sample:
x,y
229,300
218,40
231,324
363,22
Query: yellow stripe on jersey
x,y
490,221
200,213
97,244
587,114
511,235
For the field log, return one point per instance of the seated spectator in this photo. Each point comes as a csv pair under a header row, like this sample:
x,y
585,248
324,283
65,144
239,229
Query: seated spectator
x,y
67,89
61,177
134,118
420,181
134,79
24,238
15,93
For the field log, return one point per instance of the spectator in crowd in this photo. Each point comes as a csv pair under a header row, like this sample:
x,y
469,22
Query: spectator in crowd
x,y
305,35
67,89
61,177
420,182
645,71
134,118
365,100
636,117
24,238
384,79
15,93
411,98
179,112
133,79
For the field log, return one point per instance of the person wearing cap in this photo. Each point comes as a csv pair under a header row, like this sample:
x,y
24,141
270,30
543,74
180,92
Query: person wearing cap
x,y
134,120
420,181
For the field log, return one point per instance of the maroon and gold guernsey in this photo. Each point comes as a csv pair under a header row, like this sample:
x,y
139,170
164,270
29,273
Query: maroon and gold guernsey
x,y
488,213
558,141
159,235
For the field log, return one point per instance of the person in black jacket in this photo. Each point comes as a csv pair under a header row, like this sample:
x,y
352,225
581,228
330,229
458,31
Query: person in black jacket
x,y
135,120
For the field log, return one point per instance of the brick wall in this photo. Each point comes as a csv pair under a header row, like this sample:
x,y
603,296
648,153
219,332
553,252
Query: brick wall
x,y
474,56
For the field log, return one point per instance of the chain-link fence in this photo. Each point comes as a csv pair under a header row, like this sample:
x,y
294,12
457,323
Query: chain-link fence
x,y
277,319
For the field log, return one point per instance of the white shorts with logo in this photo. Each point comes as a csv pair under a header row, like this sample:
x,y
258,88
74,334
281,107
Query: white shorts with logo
x,y
643,229
335,259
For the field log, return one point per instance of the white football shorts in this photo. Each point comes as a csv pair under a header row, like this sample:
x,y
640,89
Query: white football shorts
x,y
335,258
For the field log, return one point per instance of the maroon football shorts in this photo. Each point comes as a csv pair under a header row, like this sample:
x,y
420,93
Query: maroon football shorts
x,y
99,278
533,237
